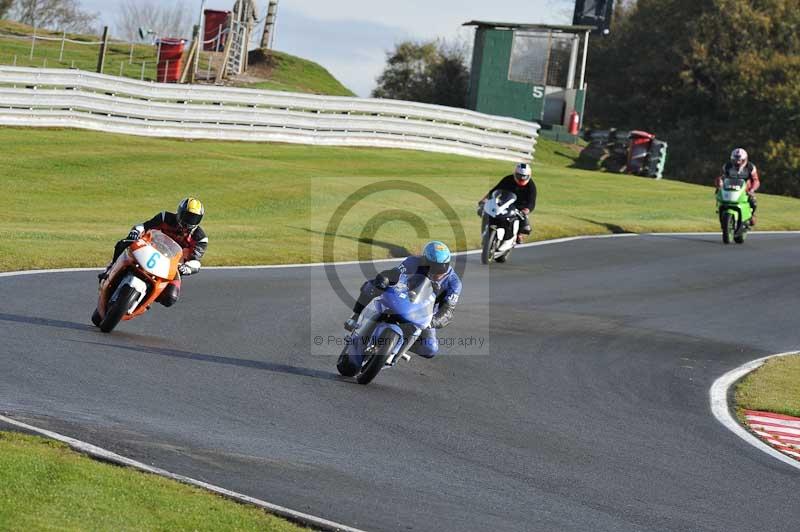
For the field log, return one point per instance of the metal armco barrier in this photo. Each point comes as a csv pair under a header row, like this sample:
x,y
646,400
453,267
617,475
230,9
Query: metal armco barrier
x,y
71,98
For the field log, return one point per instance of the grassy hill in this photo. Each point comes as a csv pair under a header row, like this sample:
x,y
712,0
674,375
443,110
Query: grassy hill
x,y
67,196
284,72
281,71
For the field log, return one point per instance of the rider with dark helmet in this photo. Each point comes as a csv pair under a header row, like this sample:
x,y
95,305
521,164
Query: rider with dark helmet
x,y
183,226
740,168
435,264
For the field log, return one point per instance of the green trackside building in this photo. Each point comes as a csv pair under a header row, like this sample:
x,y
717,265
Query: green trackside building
x,y
533,72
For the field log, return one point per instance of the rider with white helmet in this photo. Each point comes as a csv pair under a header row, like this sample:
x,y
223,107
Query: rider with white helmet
x,y
521,184
740,168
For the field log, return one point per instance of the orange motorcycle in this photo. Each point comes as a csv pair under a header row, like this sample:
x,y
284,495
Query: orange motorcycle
x,y
136,279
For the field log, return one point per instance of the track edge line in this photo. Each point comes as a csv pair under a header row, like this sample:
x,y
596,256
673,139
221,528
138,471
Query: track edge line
x,y
561,240
718,397
108,456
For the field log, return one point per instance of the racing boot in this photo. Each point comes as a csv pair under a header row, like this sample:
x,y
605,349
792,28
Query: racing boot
x,y
102,276
350,325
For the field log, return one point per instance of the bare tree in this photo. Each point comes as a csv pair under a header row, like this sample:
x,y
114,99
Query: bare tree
x,y
64,15
165,19
5,7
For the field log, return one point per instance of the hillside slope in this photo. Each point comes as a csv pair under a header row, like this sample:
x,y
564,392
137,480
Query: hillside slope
x,y
280,71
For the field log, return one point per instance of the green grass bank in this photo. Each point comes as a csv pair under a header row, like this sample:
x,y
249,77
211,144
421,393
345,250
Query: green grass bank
x,y
774,387
44,485
66,196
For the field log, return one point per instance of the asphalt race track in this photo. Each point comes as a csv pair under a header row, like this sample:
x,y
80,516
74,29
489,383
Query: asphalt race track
x,y
590,414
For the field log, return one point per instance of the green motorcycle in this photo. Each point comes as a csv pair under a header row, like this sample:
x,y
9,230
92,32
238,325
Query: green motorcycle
x,y
733,207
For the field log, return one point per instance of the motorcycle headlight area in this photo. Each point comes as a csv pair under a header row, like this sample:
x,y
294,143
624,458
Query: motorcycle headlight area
x,y
371,312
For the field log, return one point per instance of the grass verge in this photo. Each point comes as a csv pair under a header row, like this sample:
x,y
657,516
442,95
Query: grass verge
x,y
774,387
44,485
66,196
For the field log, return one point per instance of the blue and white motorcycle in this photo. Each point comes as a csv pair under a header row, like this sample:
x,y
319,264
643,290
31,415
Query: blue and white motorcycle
x,y
387,328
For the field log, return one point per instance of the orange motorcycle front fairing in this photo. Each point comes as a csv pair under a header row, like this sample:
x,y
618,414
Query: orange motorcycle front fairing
x,y
127,263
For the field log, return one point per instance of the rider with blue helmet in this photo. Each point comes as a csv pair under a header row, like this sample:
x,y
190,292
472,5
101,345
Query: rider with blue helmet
x,y
435,264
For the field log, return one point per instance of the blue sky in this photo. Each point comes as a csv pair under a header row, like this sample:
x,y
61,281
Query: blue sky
x,y
351,37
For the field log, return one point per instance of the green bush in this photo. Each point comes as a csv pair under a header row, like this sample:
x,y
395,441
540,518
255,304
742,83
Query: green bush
x,y
707,76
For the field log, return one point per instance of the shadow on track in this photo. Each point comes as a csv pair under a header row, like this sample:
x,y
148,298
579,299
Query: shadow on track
x,y
395,250
47,322
614,228
216,359
698,239
240,362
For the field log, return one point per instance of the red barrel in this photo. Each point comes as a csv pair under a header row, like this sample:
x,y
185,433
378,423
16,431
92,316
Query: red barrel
x,y
214,28
170,60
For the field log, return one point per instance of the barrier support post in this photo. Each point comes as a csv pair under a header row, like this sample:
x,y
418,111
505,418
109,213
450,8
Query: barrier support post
x,y
101,59
33,43
63,40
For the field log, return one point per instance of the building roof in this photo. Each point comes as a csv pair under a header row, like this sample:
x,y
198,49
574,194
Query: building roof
x,y
519,26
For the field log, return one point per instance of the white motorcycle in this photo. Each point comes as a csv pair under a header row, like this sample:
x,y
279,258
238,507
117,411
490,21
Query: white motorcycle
x,y
501,225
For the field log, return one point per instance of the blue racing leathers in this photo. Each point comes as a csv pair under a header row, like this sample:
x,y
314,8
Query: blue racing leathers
x,y
447,291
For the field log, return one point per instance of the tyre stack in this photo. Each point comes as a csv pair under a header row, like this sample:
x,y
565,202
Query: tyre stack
x,y
610,149
656,159
593,155
619,142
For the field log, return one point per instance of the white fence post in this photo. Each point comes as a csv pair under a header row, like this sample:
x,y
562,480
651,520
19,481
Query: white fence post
x,y
33,42
63,40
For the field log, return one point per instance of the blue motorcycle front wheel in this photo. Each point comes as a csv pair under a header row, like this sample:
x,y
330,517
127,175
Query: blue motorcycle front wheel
x,y
345,367
384,347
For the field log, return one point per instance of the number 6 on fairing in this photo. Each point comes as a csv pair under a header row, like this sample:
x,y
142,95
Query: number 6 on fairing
x,y
151,263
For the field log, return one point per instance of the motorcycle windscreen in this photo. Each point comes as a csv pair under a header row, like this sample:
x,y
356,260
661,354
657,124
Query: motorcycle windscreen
x,y
157,257
733,183
164,244
732,190
503,197
411,301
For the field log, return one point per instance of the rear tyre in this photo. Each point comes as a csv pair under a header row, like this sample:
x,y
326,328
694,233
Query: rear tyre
x,y
489,240
345,367
728,223
386,344
118,309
